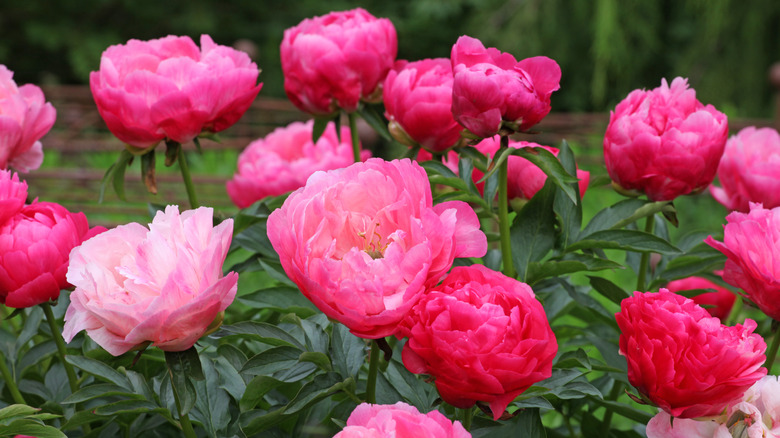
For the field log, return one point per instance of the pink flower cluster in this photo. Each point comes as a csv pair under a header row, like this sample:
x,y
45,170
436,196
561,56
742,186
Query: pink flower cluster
x,y
399,421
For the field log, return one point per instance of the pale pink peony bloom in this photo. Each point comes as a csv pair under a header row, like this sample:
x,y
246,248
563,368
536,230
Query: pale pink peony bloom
x,y
336,60
722,300
482,335
162,284
663,142
364,242
168,88
284,160
750,243
418,104
13,194
399,421
25,117
684,360
491,87
34,248
749,170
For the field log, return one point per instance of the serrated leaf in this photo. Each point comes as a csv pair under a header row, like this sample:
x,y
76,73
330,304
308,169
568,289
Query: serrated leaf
x,y
260,331
99,369
629,240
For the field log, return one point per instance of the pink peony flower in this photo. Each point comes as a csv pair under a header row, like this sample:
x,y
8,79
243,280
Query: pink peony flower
x,y
25,117
399,421
722,300
168,88
284,160
418,103
34,248
750,243
364,242
162,285
482,335
749,170
337,60
684,360
663,142
491,87
13,194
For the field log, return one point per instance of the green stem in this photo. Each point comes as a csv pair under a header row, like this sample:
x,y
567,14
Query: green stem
x,y
4,313
373,369
645,261
56,334
184,419
353,132
467,416
503,213
772,352
10,382
185,173
736,309
617,388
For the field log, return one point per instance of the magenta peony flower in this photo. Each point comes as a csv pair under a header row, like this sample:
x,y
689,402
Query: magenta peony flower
x,y
418,103
364,242
13,194
399,421
25,117
148,91
722,300
337,60
34,248
750,170
684,360
750,241
482,335
284,160
162,285
491,87
663,142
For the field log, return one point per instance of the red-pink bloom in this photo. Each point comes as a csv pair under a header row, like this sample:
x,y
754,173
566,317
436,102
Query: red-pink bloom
x,y
491,87
25,117
34,248
482,335
399,421
169,88
684,360
749,170
663,142
284,160
364,242
751,242
418,104
162,284
13,194
721,301
336,60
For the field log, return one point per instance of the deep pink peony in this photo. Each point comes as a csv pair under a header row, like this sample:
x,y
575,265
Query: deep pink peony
x,y
399,421
418,104
364,242
25,117
749,170
663,142
491,87
34,248
684,360
161,284
482,335
169,88
721,301
13,194
336,60
751,242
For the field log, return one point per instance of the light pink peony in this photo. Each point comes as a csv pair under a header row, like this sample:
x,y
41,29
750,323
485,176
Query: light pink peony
x,y
162,285
336,60
169,88
399,421
482,335
25,117
13,194
418,104
751,242
284,160
491,87
721,301
34,248
663,142
684,360
364,242
749,170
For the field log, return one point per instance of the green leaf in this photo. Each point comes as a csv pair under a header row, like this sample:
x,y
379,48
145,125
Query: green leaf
x,y
572,359
532,234
629,240
320,359
320,124
30,428
280,299
608,289
16,411
186,362
260,331
112,174
572,263
435,168
322,386
348,351
634,414
376,121
553,168
99,369
569,211
256,390
254,422
98,390
623,213
411,387
128,407
272,360
688,266
213,403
